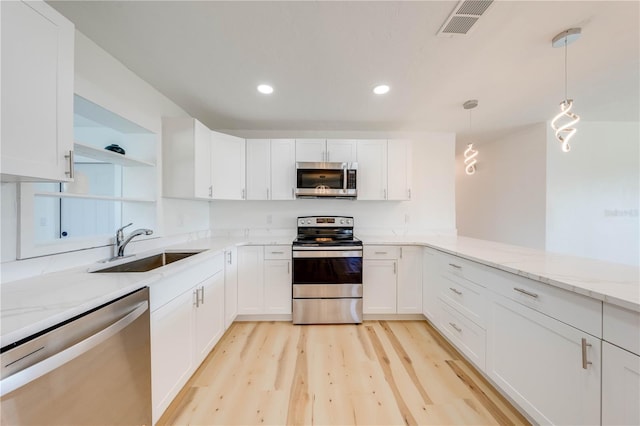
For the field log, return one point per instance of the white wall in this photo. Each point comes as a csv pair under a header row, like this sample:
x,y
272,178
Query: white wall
x,y
105,81
593,193
431,210
505,199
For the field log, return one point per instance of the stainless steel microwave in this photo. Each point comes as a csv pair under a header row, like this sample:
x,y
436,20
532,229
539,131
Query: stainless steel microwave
x,y
326,180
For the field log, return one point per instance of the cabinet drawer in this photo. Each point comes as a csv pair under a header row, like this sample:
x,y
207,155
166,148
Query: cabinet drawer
x,y
464,296
466,336
277,252
455,267
574,309
380,252
621,327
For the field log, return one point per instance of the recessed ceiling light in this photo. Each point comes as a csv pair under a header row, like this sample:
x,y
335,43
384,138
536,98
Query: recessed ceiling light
x,y
381,89
265,88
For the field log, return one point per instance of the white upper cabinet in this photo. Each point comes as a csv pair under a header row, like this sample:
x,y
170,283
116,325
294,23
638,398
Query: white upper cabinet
x,y
258,169
399,165
310,150
186,145
341,150
228,161
283,169
372,169
271,172
320,150
384,169
37,92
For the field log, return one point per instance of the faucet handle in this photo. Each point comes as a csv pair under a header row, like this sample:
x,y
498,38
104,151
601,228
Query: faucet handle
x,y
126,226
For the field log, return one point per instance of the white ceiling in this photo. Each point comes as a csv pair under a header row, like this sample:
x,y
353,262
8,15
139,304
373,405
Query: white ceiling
x,y
324,57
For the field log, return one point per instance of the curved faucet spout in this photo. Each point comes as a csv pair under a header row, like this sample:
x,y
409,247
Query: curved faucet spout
x,y
121,244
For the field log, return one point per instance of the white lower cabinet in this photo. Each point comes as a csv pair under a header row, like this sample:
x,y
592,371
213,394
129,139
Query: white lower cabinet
x,y
392,280
264,280
230,286
379,286
430,286
409,298
549,368
184,327
620,386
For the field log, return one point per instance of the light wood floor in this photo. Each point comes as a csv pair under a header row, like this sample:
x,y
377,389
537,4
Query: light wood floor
x,y
377,373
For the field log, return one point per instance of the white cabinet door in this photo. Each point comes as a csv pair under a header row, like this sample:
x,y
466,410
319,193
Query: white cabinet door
x,y
171,350
430,286
250,280
312,150
410,280
228,166
538,361
37,92
258,166
399,164
379,286
186,152
341,150
372,169
277,286
208,315
620,386
283,169
230,286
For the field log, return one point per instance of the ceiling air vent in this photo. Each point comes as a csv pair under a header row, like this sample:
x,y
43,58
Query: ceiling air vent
x,y
463,17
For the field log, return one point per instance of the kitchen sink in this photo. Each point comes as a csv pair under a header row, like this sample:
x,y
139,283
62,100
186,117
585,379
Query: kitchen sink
x,y
148,263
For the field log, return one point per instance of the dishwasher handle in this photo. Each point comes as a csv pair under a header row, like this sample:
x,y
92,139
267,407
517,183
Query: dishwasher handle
x,y
29,374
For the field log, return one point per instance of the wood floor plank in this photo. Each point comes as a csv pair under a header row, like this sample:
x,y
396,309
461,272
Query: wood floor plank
x,y
377,373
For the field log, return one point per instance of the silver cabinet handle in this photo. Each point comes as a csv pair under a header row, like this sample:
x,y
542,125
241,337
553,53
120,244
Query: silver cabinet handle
x,y
242,194
328,156
455,327
394,268
584,353
455,266
293,193
288,268
528,293
202,295
381,252
196,303
230,254
277,252
32,373
72,165
456,291
409,191
210,191
267,193
385,193
400,252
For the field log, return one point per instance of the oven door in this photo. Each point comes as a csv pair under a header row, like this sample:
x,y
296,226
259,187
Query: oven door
x,y
319,266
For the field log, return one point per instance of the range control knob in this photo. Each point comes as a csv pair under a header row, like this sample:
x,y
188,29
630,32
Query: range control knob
x,y
308,221
341,221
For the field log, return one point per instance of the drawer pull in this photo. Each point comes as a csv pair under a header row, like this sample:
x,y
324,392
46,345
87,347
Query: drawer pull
x,y
277,252
381,252
584,353
456,291
455,327
455,266
528,293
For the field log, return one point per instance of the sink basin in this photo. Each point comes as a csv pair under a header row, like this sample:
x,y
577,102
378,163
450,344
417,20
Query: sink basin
x,y
149,263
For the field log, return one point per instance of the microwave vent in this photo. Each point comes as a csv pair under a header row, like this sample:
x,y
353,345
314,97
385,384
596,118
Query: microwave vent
x,y
463,18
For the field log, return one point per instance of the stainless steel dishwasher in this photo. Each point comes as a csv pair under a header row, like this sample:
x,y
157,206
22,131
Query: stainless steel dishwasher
x,y
93,369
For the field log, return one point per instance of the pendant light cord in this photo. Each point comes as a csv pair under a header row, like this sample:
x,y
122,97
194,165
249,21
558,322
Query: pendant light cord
x,y
565,69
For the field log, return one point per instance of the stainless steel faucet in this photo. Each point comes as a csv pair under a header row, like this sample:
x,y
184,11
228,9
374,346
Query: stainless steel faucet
x,y
121,241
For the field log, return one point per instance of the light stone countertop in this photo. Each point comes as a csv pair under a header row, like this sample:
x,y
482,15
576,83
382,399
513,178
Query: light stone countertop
x,y
34,304
613,283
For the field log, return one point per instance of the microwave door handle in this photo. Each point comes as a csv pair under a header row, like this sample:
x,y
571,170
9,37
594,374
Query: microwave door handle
x,y
344,178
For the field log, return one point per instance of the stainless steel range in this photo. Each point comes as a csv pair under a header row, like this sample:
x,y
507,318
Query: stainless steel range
x,y
327,271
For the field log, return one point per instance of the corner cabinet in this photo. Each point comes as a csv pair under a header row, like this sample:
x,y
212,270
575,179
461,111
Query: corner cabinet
x,y
187,153
37,92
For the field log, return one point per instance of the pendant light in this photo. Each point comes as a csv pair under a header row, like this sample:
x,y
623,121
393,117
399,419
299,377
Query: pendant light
x,y
565,131
470,154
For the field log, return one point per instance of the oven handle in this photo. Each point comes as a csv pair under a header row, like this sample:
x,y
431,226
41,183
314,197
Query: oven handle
x,y
326,253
